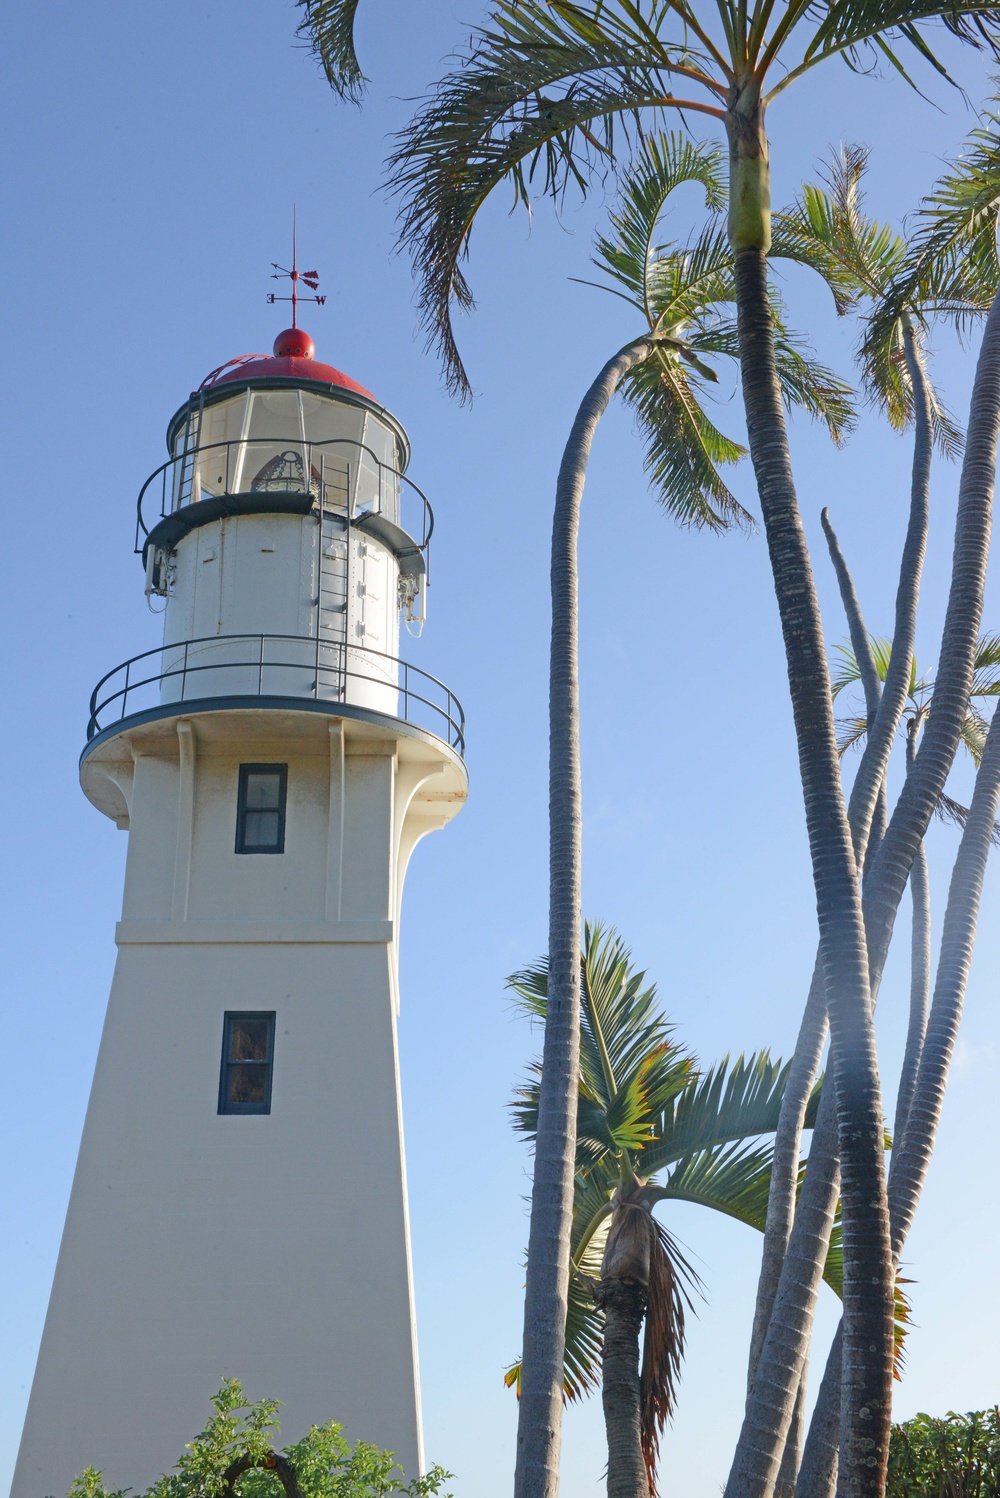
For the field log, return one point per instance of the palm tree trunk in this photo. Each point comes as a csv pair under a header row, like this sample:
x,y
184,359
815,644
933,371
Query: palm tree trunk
x,y
539,1425
769,1412
868,1271
912,1154
788,1471
818,1469
812,1032
920,968
870,776
624,1305
802,1073
923,788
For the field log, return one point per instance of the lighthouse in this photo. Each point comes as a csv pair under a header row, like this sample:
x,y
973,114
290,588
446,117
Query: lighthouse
x,y
239,1203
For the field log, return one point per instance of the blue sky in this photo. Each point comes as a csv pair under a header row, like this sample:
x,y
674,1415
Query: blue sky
x,y
154,154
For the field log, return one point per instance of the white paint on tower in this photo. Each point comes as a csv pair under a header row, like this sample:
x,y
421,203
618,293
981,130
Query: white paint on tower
x,y
239,1204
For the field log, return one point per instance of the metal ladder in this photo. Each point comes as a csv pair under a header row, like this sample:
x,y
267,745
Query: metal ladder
x,y
332,589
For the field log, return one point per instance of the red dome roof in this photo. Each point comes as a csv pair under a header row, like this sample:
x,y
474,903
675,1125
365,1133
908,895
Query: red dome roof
x,y
286,366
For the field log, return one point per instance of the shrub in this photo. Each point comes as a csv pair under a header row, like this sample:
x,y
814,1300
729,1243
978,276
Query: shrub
x,y
235,1457
955,1456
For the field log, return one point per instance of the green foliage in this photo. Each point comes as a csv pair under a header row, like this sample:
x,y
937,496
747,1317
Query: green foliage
x,y
325,1464
685,293
651,1127
954,1456
548,95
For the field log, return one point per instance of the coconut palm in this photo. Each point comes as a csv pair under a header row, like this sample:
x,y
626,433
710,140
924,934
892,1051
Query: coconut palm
x,y
541,92
683,294
651,1129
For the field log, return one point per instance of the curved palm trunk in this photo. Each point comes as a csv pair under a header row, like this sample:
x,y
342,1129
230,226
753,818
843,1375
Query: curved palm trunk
x,y
539,1423
868,1272
923,787
912,1155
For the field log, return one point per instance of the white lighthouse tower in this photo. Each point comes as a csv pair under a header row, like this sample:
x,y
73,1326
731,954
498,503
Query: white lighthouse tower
x,y
239,1205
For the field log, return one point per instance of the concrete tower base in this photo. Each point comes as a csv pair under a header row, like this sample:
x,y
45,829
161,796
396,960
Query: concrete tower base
x,y
273,1247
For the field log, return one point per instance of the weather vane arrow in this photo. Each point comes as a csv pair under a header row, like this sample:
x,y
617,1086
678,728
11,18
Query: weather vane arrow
x,y
308,278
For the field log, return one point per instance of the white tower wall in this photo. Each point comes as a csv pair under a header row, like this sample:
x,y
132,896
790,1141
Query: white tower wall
x,y
283,575
200,1245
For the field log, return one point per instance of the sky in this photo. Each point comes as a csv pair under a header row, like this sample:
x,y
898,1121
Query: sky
x,y
154,153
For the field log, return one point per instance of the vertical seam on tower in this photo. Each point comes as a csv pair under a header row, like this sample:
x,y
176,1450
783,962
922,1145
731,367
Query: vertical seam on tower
x,y
185,820
335,824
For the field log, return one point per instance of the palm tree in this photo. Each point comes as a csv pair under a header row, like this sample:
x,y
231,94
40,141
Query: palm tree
x,y
543,86
903,286
651,1129
683,295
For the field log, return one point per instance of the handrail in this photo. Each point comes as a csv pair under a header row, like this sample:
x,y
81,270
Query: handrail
x,y
446,714
172,494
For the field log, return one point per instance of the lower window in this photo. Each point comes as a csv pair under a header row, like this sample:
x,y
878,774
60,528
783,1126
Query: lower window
x,y
247,1061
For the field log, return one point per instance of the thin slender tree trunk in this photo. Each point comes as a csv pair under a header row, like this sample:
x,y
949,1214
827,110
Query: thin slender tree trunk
x,y
539,1424
920,968
923,787
802,1074
624,1306
812,1032
870,777
788,1471
911,1156
868,1277
867,817
818,1468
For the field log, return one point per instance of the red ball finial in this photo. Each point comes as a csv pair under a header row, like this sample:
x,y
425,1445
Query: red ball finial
x,y
294,344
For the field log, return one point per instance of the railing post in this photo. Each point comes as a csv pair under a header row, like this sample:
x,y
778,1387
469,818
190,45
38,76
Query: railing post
x,y
260,669
184,672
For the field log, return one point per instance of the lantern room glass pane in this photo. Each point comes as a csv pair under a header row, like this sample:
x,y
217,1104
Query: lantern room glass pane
x,y
333,430
274,460
378,486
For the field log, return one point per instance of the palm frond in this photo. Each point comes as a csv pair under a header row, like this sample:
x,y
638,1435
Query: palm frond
x,y
986,667
663,1341
949,810
723,1105
543,94
732,1178
661,164
847,26
329,27
682,446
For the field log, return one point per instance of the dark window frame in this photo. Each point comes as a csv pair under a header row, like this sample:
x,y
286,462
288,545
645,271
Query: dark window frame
x,y
231,1018
241,806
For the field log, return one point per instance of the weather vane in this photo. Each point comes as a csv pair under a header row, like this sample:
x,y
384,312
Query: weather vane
x,y
308,278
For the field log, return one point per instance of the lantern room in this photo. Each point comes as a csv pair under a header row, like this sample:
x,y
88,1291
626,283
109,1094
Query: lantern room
x,y
284,543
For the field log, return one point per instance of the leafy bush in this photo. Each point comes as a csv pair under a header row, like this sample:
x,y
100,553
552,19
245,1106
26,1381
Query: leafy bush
x,y
957,1456
235,1455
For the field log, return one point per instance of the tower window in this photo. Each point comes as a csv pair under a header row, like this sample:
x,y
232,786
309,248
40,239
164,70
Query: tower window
x,y
247,1060
260,813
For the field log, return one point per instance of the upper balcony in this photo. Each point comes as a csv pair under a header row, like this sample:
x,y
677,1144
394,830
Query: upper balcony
x,y
238,451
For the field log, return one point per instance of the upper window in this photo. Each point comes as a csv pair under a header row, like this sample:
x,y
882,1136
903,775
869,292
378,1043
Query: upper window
x,y
247,1060
260,815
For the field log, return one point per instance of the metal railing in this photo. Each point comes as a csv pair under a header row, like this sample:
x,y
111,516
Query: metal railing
x,y
137,684
332,471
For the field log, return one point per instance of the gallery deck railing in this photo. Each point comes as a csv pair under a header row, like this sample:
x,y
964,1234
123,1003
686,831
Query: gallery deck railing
x,y
277,666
